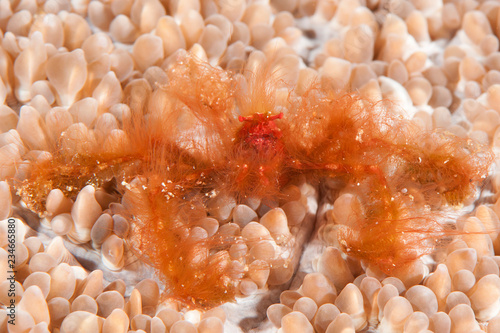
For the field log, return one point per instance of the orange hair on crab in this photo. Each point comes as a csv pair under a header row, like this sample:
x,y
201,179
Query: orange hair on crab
x,y
209,133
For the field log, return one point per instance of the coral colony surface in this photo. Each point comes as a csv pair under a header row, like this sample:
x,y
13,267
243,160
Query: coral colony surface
x,y
249,166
